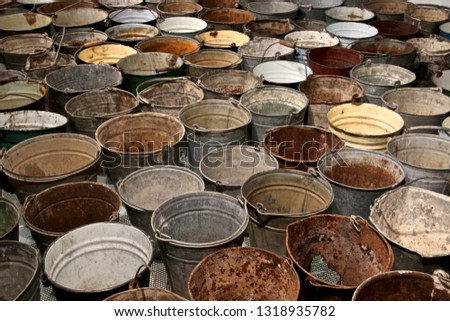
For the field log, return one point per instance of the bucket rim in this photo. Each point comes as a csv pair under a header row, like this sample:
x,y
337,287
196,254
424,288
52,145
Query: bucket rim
x,y
382,66
220,73
18,212
222,52
61,120
250,15
102,15
149,72
30,86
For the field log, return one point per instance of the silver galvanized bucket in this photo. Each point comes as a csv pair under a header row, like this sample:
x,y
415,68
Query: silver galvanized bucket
x,y
87,111
226,169
423,156
39,66
315,9
21,272
162,183
95,261
130,142
358,177
213,123
274,106
431,49
273,9
427,18
75,38
191,226
9,220
182,26
279,197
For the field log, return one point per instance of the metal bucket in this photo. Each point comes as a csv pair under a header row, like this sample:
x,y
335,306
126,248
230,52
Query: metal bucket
x,y
333,60
16,49
335,254
272,28
182,26
262,49
348,13
442,80
358,177
273,106
191,226
349,32
9,220
279,197
116,4
66,83
7,75
17,126
219,3
48,160
423,156
378,78
79,264
387,11
299,147
394,29
213,123
180,46
311,24
431,49
80,17
325,92
161,182
75,38
427,18
168,95
315,9
418,106
403,286
133,15
283,72
256,275
141,67
222,39
225,84
227,18
51,8
130,142
39,66
273,10
198,63
178,8
415,221
444,30
108,54
445,124
22,94
386,51
227,168
55,211
21,271
131,33
364,126
20,23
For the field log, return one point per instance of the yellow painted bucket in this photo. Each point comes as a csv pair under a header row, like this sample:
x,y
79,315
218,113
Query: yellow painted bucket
x,y
106,53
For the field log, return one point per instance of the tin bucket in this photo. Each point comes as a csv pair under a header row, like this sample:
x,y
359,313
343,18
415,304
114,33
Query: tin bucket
x,y
388,51
418,106
442,80
137,14
75,264
227,168
20,23
8,75
262,49
273,9
131,33
117,4
16,49
107,53
349,32
75,38
180,46
358,177
225,84
39,66
315,9
222,39
168,95
182,26
273,106
213,123
21,272
283,72
348,13
335,254
415,221
178,8
48,160
141,67
431,49
161,182
87,111
80,17
9,220
51,8
299,147
191,226
220,3
325,92
54,211
279,197
255,275
310,24
271,28
378,78
364,126
66,83
427,18
227,18
423,156
333,60
387,11
22,94
403,286
394,29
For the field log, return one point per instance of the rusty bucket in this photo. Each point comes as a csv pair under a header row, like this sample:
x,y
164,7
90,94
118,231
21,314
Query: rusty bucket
x,y
227,18
272,28
176,45
256,275
9,220
427,18
178,8
39,66
335,254
131,33
75,38
393,10
393,29
333,60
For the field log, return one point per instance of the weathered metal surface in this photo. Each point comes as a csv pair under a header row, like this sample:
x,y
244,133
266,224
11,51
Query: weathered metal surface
x,y
146,294
306,40
114,4
108,54
220,3
76,38
9,220
227,18
442,79
21,271
22,94
348,13
51,8
256,275
427,18
80,17
387,11
275,28
20,23
176,9
193,225
390,51
175,45
222,39
349,246
393,29
315,9
134,15
76,268
311,24
431,49
131,33
273,10
39,66
333,60
182,26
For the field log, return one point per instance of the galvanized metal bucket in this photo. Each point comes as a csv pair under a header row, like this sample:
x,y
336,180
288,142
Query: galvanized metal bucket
x,y
272,28
333,60
75,38
20,23
256,275
279,197
387,10
90,109
227,168
315,9
213,123
131,33
227,18
162,183
22,94
80,17
21,272
191,226
389,51
9,220
273,106
431,49
335,254
78,265
358,177
39,66
427,18
107,53
423,156
55,211
415,221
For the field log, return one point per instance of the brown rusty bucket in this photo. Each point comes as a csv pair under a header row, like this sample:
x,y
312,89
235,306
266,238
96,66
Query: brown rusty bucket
x,y
399,30
227,18
335,254
333,60
175,45
244,274
268,28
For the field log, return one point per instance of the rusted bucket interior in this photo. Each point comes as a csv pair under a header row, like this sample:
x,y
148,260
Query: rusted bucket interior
x,y
228,15
393,29
268,28
334,60
146,294
179,46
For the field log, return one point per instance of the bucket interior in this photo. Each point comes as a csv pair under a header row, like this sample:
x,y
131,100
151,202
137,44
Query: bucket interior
x,y
171,94
269,28
146,64
180,46
20,93
24,22
34,44
79,17
212,58
9,217
335,58
80,37
383,75
264,48
107,53
331,90
229,82
146,294
131,32
227,16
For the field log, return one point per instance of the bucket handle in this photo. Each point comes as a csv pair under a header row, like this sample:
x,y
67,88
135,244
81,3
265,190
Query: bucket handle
x,y
443,277
354,220
293,113
134,283
415,128
153,81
